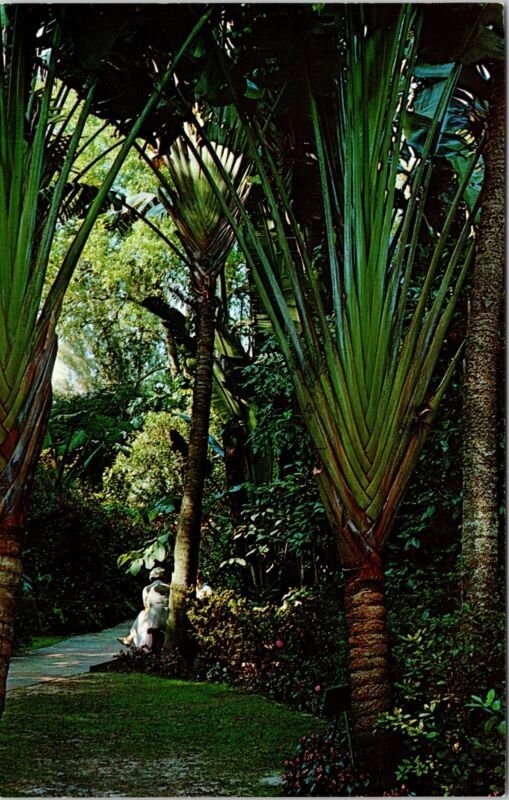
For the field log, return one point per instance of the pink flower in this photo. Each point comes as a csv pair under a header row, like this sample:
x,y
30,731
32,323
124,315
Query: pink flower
x,y
279,643
318,688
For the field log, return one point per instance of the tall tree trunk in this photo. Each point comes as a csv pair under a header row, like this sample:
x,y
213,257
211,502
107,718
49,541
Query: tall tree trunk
x,y
21,441
365,611
187,542
481,521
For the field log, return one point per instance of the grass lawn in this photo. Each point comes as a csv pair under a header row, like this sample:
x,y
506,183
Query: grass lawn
x,y
37,642
45,641
137,735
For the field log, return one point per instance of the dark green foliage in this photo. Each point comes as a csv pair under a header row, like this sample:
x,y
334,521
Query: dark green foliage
x,y
269,384
84,435
285,528
124,55
228,629
441,658
428,523
285,536
447,743
307,653
70,562
322,767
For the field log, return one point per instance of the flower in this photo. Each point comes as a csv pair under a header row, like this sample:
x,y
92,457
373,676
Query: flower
x,y
318,688
279,643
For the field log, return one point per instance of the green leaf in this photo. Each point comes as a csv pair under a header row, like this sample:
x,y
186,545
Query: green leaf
x,y
253,92
136,566
241,562
159,551
422,70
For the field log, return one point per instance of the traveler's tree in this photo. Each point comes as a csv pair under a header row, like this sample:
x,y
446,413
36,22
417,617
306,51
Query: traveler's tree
x,y
206,238
360,319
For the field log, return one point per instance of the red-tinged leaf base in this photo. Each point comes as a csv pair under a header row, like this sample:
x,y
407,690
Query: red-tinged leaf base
x,y
19,453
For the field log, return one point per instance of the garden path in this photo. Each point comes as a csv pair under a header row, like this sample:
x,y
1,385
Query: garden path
x,y
70,657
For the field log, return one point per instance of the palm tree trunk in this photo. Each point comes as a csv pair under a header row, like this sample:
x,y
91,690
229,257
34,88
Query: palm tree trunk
x,y
187,542
368,641
19,452
481,521
365,611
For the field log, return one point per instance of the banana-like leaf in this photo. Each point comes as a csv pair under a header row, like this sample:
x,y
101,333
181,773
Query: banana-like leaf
x,y
464,119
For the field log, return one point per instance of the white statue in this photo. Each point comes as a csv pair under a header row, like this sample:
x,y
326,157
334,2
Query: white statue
x,y
203,590
154,614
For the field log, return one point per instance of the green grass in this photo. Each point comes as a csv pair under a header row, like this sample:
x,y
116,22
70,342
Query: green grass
x,y
137,735
45,641
37,642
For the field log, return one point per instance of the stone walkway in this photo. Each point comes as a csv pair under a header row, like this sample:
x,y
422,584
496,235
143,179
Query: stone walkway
x,y
69,657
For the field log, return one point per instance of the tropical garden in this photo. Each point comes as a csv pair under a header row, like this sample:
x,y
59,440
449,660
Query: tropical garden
x,y
251,330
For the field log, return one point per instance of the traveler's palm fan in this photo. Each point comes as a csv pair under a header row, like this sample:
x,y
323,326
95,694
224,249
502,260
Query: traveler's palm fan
x,y
203,229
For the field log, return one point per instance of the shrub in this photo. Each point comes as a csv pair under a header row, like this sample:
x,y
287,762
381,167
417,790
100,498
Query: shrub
x,y
226,628
441,656
289,652
167,665
448,715
70,561
307,649
321,768
446,751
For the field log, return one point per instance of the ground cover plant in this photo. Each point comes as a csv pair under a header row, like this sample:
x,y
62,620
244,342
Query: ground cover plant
x,y
158,738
